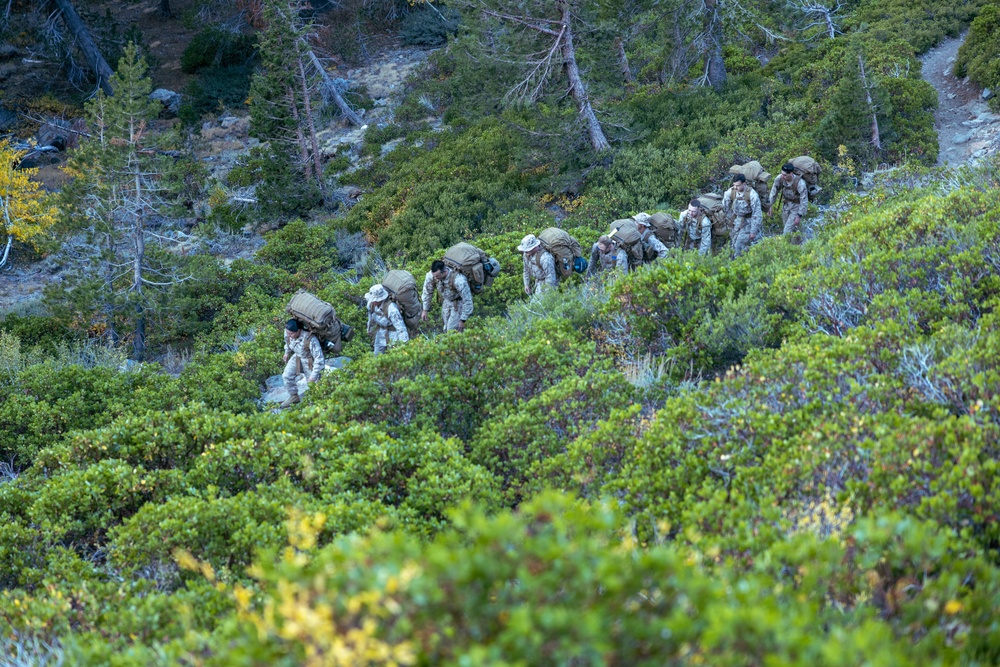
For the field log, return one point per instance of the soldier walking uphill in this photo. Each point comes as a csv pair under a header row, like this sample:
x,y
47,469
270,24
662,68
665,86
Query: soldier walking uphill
x,y
695,229
384,319
652,247
795,198
303,354
606,255
539,266
453,289
743,203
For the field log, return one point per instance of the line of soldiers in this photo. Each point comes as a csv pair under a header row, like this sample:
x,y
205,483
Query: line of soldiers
x,y
693,230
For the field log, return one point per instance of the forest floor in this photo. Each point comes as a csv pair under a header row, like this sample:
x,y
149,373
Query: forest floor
x,y
963,121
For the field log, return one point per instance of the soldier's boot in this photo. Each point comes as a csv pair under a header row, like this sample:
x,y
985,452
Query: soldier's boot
x,y
290,401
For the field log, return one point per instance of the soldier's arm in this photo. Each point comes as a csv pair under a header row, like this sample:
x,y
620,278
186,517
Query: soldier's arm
x,y
288,347
319,361
396,319
661,250
706,237
803,191
526,274
595,260
757,215
428,293
462,286
621,260
727,202
549,269
775,191
380,319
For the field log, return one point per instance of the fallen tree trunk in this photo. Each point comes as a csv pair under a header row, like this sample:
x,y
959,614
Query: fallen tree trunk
x,y
330,88
85,42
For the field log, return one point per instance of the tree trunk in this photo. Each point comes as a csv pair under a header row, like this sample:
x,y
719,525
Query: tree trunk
x,y
623,60
576,87
330,89
831,29
139,240
311,124
300,138
876,135
86,44
165,9
716,67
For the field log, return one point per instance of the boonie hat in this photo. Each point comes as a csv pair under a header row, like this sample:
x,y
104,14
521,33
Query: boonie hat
x,y
528,243
376,293
642,218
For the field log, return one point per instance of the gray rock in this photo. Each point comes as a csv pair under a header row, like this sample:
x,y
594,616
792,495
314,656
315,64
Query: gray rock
x,y
7,119
960,139
228,121
987,94
987,117
952,96
170,100
337,363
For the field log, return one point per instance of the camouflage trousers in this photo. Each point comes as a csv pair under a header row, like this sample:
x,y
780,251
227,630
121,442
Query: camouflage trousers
x,y
741,239
384,339
450,314
291,373
788,220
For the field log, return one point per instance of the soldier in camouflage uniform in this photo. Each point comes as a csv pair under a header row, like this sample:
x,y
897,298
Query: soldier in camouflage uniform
x,y
743,203
605,255
539,265
303,354
652,247
795,198
384,319
455,293
695,229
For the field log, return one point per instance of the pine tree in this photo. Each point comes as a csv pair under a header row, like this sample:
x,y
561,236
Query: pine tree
x,y
122,191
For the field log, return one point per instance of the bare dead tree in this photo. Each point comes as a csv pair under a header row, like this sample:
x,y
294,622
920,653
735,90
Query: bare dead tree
x,y
715,66
820,15
83,40
558,48
623,65
876,139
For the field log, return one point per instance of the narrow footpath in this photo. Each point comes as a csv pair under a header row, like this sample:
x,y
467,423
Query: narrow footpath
x,y
966,128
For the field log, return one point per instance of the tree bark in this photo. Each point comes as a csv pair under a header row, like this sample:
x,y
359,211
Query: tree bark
x,y
139,238
576,87
300,138
716,68
311,124
165,9
86,44
330,88
876,135
623,60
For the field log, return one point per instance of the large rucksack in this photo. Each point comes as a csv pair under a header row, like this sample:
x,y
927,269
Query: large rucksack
x,y
402,288
664,228
626,234
565,249
809,169
478,268
319,318
757,178
711,204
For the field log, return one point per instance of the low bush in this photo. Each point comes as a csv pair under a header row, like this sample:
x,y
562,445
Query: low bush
x,y
979,55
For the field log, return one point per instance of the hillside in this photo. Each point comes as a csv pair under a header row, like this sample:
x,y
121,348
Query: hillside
x,y
785,457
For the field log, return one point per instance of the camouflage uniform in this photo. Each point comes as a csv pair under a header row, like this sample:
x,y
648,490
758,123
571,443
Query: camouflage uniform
x,y
456,297
651,244
387,323
747,217
694,233
540,266
615,258
306,357
794,200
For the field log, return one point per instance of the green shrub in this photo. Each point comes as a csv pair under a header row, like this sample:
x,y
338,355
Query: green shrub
x,y
424,27
218,48
213,89
979,55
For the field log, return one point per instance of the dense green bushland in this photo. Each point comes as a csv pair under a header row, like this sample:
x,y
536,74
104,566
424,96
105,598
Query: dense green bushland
x,y
979,55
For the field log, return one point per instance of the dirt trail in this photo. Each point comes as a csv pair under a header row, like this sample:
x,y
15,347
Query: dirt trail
x,y
963,122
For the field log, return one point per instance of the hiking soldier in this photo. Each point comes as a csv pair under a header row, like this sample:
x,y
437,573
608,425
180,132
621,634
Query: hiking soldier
x,y
384,319
652,247
794,195
605,255
455,293
695,229
303,354
743,203
539,265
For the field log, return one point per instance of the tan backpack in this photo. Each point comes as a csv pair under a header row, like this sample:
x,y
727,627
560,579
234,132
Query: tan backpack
x,y
711,205
626,234
564,248
402,288
319,318
809,169
478,268
664,228
757,178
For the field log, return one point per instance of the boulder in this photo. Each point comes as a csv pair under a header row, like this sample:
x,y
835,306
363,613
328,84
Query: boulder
x,y
274,386
959,139
987,93
170,100
57,133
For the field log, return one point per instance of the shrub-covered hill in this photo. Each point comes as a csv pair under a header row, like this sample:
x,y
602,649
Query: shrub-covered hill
x,y
789,458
